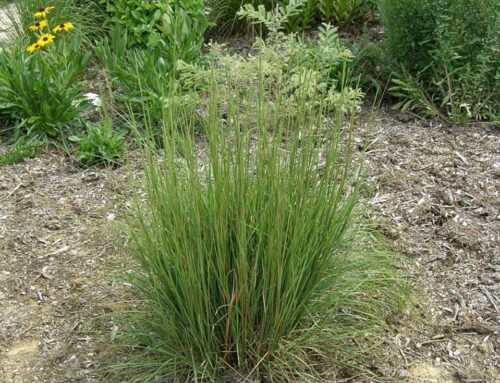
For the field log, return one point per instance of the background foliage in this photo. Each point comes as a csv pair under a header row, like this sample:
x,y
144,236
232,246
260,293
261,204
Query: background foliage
x,y
223,12
177,25
448,51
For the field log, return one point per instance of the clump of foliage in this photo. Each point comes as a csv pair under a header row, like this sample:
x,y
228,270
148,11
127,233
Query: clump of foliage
x,y
248,264
177,26
41,90
447,52
307,13
345,11
18,153
302,68
245,264
282,17
140,78
148,79
100,145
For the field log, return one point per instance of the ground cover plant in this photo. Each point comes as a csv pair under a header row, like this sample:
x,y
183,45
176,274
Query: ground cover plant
x,y
101,144
243,245
18,153
446,56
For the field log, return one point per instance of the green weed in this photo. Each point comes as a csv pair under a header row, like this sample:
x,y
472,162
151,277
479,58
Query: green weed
x,y
18,153
100,145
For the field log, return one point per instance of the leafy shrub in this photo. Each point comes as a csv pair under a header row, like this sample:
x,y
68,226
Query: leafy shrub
x,y
302,69
177,25
42,92
448,51
244,265
100,145
223,13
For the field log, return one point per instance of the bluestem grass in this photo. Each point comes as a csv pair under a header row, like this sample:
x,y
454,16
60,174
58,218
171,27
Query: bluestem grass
x,y
250,262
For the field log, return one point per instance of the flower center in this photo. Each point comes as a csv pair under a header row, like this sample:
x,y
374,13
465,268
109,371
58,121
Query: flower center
x,y
62,25
41,10
45,38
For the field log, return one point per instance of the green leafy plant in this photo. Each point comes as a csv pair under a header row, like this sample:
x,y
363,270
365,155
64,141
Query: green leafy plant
x,y
275,19
223,13
345,11
42,92
306,14
18,153
177,26
100,145
446,55
303,68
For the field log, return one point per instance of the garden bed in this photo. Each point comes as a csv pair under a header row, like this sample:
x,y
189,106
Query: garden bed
x,y
434,195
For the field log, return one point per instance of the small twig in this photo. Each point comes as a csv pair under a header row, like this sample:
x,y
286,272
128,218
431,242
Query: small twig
x,y
61,250
491,299
462,158
13,191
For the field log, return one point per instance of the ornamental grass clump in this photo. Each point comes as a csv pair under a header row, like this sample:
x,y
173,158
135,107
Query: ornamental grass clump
x,y
249,261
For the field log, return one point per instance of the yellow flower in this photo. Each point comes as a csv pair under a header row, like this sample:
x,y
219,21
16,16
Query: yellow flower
x,y
33,47
38,25
42,12
45,39
63,27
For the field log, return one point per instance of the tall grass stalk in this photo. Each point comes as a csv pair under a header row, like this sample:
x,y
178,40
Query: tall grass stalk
x,y
243,246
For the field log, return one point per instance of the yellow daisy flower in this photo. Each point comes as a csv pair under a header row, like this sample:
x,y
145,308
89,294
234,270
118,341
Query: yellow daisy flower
x,y
33,47
42,12
63,27
38,25
45,39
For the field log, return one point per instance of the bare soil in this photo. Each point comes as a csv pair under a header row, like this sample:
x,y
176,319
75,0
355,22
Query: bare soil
x,y
435,196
